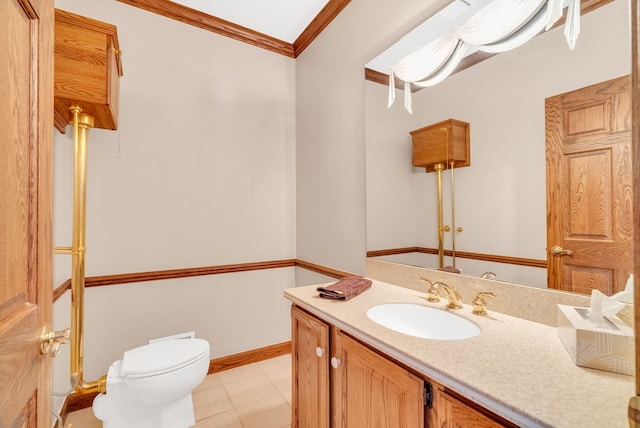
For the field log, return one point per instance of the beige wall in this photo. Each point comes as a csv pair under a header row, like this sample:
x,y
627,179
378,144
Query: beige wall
x,y
206,177
211,134
230,154
207,141
500,200
330,150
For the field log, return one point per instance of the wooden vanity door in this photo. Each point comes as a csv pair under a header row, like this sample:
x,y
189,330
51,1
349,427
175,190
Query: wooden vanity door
x,y
310,377
452,413
589,188
371,391
26,138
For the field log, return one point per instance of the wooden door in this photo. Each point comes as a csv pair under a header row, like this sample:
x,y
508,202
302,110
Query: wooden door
x,y
589,188
371,391
310,356
26,138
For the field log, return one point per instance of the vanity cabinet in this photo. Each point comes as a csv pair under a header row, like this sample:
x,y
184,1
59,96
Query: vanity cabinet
x,y
360,389
87,69
339,382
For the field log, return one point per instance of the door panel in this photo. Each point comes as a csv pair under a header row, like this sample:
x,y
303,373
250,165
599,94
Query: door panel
x,y
310,389
455,414
589,188
371,391
26,137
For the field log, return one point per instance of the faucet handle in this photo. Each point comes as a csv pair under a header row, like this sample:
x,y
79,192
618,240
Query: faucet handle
x,y
432,292
428,281
479,304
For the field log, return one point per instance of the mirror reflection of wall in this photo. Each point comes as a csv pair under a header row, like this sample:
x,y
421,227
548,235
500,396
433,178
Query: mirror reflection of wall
x,y
500,200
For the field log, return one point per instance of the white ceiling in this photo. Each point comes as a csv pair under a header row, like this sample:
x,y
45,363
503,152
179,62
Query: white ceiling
x,y
283,19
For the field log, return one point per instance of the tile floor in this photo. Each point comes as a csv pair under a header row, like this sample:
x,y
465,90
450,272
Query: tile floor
x,y
253,396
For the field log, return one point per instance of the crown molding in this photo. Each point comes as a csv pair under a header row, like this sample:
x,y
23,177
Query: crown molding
x,y
211,23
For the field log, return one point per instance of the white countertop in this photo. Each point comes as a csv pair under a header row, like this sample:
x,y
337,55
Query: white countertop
x,y
516,368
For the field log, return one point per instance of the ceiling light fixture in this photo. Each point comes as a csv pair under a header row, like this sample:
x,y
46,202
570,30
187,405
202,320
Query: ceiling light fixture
x,y
498,27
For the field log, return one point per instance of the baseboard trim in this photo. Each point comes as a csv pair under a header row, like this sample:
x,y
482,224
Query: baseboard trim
x,y
78,401
63,412
253,356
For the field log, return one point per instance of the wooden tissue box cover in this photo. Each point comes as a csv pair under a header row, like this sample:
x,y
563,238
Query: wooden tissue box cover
x,y
611,349
87,69
442,142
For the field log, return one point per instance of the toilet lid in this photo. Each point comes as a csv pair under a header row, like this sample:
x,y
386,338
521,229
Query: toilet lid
x,y
162,357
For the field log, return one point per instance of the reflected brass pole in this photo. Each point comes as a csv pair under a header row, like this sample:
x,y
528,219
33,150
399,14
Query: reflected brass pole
x,y
82,123
453,218
441,229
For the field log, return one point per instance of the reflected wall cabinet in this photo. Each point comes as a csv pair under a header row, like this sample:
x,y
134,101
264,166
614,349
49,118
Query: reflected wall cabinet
x,y
442,143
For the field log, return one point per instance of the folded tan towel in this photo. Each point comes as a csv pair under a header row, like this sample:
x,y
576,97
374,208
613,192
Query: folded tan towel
x,y
345,289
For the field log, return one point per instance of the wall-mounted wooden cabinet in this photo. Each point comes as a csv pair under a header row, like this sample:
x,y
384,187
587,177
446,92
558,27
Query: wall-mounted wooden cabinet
x,y
443,142
87,69
340,382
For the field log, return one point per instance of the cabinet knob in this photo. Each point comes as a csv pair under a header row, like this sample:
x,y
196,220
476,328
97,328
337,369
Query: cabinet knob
x,y
319,352
335,363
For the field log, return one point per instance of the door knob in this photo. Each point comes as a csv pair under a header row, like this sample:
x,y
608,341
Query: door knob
x,y
558,251
319,352
50,340
335,363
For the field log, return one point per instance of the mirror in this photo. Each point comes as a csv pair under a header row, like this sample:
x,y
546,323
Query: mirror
x,y
499,201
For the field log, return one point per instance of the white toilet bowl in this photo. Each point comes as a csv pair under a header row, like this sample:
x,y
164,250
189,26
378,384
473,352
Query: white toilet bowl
x,y
150,387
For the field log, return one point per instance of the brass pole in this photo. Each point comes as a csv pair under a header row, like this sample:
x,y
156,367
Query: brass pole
x,y
439,167
82,123
453,218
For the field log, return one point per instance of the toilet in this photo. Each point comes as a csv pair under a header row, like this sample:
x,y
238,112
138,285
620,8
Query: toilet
x,y
150,387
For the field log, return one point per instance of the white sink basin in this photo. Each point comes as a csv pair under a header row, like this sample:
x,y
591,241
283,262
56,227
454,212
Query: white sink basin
x,y
422,321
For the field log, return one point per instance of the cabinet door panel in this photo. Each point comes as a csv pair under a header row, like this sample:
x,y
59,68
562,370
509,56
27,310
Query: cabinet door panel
x,y
310,388
455,414
371,391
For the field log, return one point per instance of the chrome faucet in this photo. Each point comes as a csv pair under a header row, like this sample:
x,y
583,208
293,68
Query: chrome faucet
x,y
433,293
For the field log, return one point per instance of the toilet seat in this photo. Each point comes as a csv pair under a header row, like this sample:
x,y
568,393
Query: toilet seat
x,y
162,357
